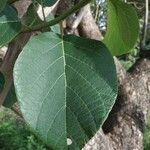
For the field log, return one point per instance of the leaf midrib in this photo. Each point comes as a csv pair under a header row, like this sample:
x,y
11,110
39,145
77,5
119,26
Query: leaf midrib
x,y
63,52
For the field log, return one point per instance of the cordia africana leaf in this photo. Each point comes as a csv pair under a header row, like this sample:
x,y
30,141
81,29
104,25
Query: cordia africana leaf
x,y
122,27
10,26
32,18
66,87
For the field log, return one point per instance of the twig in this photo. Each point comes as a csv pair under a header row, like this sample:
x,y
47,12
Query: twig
x,y
14,48
58,19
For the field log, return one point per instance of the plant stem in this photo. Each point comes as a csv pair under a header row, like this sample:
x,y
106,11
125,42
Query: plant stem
x,y
58,19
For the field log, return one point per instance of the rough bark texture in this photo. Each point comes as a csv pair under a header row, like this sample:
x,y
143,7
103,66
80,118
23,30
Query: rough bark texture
x,y
126,122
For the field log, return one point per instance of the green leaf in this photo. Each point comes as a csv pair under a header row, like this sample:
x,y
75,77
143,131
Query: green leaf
x,y
66,88
123,27
2,4
31,17
46,2
10,26
10,98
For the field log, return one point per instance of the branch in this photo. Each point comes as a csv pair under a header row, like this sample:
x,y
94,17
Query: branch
x,y
58,19
14,48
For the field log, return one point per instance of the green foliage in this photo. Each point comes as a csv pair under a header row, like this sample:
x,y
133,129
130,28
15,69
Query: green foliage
x,y
123,27
128,60
10,25
14,135
32,17
79,88
2,4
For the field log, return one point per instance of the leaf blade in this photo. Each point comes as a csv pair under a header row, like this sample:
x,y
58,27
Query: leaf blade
x,y
10,26
123,27
71,104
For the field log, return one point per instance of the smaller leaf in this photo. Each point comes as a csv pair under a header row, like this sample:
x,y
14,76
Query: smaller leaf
x,y
10,25
32,17
123,27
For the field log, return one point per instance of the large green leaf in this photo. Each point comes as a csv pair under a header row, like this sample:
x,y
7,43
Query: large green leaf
x,y
2,4
47,2
123,27
10,26
66,88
